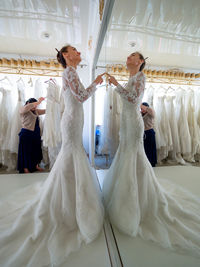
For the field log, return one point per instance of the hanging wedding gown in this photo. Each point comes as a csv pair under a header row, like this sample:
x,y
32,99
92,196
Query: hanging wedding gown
x,y
197,116
192,124
6,110
162,126
183,128
109,138
51,131
44,223
38,91
175,154
136,202
148,95
105,137
12,139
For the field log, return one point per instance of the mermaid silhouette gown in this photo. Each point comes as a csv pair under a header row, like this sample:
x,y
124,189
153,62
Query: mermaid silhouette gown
x,y
136,202
45,222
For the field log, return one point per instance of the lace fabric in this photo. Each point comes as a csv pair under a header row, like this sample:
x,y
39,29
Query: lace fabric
x,y
72,81
134,88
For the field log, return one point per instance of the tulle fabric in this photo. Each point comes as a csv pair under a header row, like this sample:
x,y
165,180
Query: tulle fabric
x,y
60,214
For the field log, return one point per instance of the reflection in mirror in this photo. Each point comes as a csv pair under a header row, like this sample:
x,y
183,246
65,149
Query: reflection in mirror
x,y
133,190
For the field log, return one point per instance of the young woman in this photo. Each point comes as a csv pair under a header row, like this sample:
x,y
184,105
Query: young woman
x,y
66,210
136,202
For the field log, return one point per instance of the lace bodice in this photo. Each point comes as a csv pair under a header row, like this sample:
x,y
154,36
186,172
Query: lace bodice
x,y
131,120
71,81
73,94
134,89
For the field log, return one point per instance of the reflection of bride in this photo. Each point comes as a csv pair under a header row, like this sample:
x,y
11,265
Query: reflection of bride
x,y
136,202
46,222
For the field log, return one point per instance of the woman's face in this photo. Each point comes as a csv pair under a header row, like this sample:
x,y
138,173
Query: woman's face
x,y
143,109
134,60
73,55
33,109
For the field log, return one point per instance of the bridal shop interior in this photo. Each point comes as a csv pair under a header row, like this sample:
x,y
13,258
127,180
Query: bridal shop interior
x,y
167,33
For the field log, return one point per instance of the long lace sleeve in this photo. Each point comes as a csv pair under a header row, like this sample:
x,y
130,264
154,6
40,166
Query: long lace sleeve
x,y
136,85
72,81
62,104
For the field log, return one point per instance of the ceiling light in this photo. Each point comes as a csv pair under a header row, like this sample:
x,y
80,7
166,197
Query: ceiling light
x,y
45,35
132,44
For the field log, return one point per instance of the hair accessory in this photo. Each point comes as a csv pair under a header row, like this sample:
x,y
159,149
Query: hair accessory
x,y
57,50
146,58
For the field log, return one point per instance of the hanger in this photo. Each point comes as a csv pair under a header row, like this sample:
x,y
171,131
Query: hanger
x,y
169,89
161,89
151,87
30,82
20,79
180,88
190,89
6,78
51,80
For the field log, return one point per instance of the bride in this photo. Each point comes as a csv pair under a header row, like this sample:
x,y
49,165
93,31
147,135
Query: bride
x,y
136,202
44,223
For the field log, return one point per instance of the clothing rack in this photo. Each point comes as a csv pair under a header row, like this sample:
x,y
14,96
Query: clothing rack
x,y
157,80
172,76
49,68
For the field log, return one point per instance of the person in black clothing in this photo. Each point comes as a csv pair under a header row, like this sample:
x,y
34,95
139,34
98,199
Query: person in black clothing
x,y
148,115
30,151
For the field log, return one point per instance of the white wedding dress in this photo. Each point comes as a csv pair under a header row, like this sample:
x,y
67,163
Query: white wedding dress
x,y
11,143
182,123
175,154
6,110
51,135
136,202
109,138
42,224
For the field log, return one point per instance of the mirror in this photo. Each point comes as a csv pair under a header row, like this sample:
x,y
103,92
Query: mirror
x,y
171,91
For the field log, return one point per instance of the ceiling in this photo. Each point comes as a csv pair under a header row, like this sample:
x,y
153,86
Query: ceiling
x,y
37,27
166,31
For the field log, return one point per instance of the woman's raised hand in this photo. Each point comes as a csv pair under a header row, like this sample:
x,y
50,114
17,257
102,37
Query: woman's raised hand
x,y
99,79
41,99
112,80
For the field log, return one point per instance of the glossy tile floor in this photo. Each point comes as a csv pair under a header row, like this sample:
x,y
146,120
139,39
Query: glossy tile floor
x,y
113,248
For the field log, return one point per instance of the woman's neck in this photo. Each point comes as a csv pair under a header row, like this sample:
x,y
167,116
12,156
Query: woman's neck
x,y
133,71
72,64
